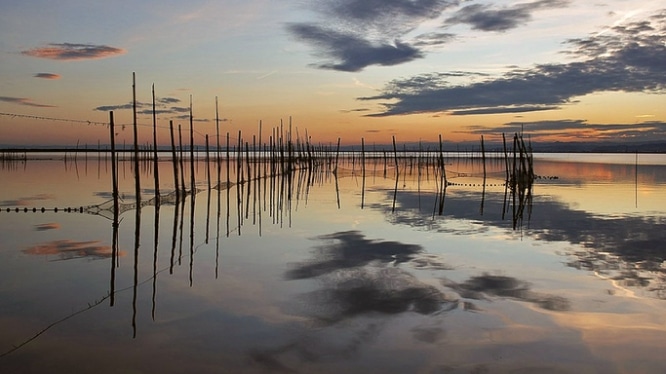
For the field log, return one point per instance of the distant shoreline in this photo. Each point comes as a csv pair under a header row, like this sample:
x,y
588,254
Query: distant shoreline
x,y
17,151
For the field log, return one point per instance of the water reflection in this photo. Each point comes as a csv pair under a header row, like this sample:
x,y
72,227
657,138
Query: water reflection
x,y
625,248
70,250
389,287
484,286
361,276
350,250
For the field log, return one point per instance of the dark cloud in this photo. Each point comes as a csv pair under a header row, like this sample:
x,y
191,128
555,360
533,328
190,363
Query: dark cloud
x,y
179,109
623,59
195,119
355,34
434,39
107,108
350,52
24,101
162,107
73,51
47,76
157,111
644,131
370,10
168,100
388,17
486,18
508,109
355,110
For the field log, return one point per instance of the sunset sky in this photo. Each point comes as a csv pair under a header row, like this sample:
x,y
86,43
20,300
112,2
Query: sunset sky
x,y
570,70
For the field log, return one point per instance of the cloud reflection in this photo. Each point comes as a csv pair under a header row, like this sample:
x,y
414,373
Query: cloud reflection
x,y
484,286
70,249
47,226
629,249
365,291
350,249
27,200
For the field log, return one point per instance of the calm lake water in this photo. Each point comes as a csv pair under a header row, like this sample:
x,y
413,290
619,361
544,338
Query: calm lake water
x,y
318,274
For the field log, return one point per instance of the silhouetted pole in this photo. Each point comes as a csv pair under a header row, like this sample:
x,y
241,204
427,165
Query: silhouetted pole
x,y
363,171
114,172
506,158
483,158
395,153
180,159
217,136
192,179
137,182
155,161
209,190
441,160
174,159
114,177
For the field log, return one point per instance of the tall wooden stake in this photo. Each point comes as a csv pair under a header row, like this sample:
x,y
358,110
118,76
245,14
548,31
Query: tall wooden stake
x,y
137,182
155,160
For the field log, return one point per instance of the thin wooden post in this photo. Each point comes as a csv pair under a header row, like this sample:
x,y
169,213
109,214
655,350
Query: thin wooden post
x,y
483,159
363,171
441,160
506,158
180,159
395,154
174,158
155,160
192,178
137,182
114,173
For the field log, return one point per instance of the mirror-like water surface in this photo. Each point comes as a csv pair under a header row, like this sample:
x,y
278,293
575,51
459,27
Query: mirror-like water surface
x,y
333,272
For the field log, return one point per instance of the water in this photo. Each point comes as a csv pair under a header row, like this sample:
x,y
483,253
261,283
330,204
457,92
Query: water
x,y
321,274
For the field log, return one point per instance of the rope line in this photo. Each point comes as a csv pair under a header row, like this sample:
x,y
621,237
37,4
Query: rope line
x,y
88,122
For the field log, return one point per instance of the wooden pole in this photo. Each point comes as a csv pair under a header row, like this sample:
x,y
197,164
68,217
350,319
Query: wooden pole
x,y
506,158
180,159
217,137
483,159
137,182
363,171
192,178
395,154
156,171
441,160
114,239
174,158
114,173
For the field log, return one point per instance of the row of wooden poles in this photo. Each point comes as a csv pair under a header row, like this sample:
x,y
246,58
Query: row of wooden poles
x,y
282,155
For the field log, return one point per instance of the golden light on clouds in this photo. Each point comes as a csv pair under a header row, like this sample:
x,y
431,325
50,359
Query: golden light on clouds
x,y
73,51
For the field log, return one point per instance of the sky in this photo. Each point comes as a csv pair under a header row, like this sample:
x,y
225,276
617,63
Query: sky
x,y
560,70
